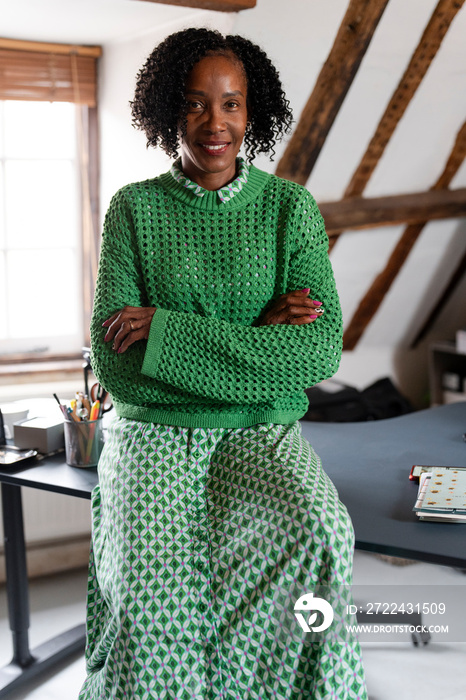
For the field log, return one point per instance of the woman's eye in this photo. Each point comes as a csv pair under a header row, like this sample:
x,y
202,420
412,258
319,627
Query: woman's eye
x,y
194,105
232,105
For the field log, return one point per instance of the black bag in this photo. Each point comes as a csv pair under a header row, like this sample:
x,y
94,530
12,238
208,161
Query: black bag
x,y
344,403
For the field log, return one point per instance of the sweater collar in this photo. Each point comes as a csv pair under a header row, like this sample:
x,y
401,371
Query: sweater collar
x,y
257,180
225,194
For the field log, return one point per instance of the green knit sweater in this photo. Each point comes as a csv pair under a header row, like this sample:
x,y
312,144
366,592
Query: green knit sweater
x,y
210,269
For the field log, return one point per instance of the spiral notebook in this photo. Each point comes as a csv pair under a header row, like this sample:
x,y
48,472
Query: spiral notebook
x,y
442,494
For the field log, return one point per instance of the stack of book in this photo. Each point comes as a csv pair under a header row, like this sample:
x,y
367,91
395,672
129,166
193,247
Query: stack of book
x,y
442,494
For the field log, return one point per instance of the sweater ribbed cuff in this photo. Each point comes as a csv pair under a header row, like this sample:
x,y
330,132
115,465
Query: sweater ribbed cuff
x,y
154,343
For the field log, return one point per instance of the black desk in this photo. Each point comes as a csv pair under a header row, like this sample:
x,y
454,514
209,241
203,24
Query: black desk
x,y
369,464
50,474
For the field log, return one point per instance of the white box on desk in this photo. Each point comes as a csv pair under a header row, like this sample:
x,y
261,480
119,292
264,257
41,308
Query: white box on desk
x,y
42,434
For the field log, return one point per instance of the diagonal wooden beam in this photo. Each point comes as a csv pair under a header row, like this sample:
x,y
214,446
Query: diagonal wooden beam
x,y
421,59
382,283
361,213
332,85
219,5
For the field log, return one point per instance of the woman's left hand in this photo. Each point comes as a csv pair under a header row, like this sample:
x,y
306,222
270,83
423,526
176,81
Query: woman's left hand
x,y
128,325
294,308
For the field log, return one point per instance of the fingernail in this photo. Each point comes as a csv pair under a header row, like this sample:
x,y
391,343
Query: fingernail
x,y
106,336
119,350
105,323
316,303
306,291
313,316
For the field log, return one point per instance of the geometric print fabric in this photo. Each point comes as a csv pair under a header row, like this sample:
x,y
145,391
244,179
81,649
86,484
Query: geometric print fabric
x,y
202,541
225,193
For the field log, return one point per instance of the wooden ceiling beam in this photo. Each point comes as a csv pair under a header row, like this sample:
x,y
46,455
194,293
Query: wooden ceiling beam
x,y
423,55
371,301
218,5
361,213
332,85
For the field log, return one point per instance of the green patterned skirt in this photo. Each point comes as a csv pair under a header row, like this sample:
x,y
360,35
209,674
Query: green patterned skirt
x,y
202,541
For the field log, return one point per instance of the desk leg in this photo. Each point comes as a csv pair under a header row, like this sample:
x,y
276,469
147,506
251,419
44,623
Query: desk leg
x,y
16,573
25,663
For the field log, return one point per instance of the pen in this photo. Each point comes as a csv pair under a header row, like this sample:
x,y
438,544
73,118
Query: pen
x,y
73,411
95,410
63,408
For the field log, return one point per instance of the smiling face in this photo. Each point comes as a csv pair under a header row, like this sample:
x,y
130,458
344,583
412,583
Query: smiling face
x,y
215,121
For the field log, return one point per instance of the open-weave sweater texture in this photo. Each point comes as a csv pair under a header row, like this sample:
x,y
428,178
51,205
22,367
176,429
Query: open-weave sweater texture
x,y
211,268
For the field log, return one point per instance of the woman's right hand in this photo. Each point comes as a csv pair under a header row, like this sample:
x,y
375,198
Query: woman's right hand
x,y
294,308
128,325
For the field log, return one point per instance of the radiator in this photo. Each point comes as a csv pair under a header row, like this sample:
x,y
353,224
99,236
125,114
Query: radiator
x,y
52,516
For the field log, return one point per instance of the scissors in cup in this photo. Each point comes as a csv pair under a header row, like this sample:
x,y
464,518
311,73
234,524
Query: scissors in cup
x,y
98,393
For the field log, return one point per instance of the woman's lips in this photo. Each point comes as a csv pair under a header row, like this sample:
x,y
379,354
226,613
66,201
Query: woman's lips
x,y
215,149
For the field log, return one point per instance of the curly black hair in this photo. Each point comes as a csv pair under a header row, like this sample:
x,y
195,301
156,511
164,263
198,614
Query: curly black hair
x,y
159,105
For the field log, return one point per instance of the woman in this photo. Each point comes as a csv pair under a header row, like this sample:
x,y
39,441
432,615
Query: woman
x,y
213,515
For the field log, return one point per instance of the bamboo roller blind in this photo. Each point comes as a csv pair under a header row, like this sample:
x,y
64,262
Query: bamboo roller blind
x,y
48,72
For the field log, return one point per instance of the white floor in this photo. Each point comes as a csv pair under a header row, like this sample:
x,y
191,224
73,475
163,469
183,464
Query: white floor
x,y
395,671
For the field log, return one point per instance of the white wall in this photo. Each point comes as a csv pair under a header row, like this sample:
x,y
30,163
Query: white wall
x,y
298,36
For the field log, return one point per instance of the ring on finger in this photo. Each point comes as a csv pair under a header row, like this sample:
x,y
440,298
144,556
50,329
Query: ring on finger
x,y
131,325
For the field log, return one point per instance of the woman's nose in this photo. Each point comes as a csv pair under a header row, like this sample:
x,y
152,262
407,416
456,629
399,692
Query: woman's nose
x,y
214,121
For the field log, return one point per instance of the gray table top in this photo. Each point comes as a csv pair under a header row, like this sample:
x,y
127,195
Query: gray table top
x,y
368,462
51,474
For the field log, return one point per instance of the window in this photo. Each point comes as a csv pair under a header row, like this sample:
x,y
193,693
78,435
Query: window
x,y
41,308
48,197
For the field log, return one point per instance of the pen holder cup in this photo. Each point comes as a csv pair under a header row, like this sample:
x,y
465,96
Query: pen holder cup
x,y
83,442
